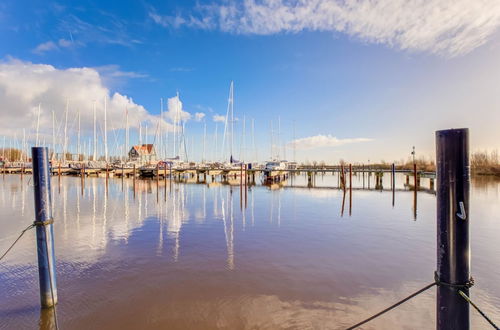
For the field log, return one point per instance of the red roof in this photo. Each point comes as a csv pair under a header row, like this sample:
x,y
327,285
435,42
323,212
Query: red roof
x,y
144,149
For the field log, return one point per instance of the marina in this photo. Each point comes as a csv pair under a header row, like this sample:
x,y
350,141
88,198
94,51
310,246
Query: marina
x,y
236,258
249,164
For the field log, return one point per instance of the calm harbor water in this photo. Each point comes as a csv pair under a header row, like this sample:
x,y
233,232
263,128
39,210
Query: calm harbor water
x,y
134,255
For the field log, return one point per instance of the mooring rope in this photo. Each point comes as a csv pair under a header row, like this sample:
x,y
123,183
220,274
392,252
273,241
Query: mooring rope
x,y
17,239
425,288
437,282
461,293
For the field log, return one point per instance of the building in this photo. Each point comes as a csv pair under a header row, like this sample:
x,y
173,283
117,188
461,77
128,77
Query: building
x,y
144,153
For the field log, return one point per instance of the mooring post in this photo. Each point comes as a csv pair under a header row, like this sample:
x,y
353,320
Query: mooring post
x,y
350,177
415,176
393,182
44,227
453,249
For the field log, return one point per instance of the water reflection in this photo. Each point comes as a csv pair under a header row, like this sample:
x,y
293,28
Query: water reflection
x,y
282,259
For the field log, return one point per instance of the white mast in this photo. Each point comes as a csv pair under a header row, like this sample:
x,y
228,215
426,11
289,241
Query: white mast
x,y
294,148
244,139
94,158
105,131
140,134
53,135
37,124
176,119
65,142
272,141
126,132
278,140
204,139
215,156
23,149
253,141
160,142
231,100
78,143
228,120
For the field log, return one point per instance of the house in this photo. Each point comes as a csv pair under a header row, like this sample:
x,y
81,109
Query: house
x,y
144,153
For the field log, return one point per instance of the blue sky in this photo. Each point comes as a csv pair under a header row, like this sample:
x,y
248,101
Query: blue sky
x,y
358,83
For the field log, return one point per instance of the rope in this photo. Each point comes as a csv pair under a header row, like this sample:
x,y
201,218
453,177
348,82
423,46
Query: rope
x,y
461,293
425,288
466,285
17,239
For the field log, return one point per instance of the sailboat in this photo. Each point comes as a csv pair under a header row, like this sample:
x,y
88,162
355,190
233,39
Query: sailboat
x,y
233,163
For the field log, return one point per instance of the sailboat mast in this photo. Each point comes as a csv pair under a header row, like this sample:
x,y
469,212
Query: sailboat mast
x,y
94,158
204,139
253,141
65,142
294,144
278,140
140,134
160,142
244,145
126,132
105,131
176,119
24,148
232,117
53,135
78,142
37,124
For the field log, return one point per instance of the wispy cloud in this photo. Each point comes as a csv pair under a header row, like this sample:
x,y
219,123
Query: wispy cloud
x,y
321,141
111,30
181,69
445,27
114,71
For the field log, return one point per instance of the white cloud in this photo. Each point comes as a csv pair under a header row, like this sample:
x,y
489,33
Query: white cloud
x,y
445,27
175,112
218,118
320,141
199,116
23,85
50,45
45,47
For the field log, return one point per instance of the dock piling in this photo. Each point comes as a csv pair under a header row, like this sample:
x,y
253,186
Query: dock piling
x,y
44,227
453,246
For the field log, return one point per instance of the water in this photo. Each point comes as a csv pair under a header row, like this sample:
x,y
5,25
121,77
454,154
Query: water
x,y
210,257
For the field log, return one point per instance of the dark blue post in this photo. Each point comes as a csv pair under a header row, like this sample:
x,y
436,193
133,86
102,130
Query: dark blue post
x,y
44,227
453,249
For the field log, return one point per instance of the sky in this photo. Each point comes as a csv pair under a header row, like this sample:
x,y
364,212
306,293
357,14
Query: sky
x,y
360,80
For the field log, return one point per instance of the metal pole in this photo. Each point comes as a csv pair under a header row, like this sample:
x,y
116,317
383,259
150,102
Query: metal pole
x,y
44,227
453,248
